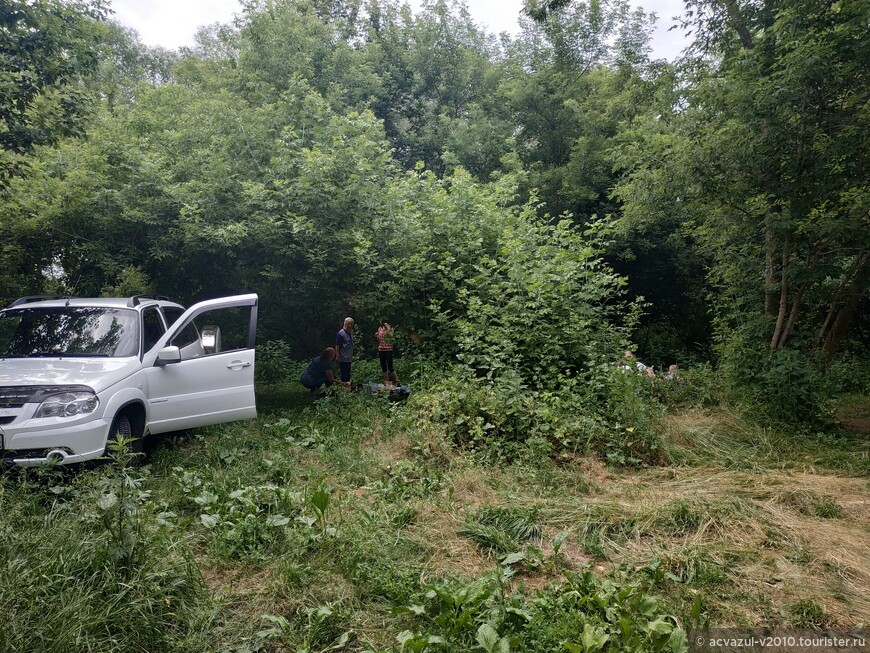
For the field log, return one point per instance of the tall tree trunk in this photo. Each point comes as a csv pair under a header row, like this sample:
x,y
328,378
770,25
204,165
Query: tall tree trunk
x,y
783,295
789,327
845,316
860,261
796,304
769,271
739,24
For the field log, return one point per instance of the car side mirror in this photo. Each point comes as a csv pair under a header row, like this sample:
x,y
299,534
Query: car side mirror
x,y
167,356
211,339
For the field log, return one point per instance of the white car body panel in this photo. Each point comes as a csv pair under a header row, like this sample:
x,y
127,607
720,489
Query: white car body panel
x,y
98,373
200,391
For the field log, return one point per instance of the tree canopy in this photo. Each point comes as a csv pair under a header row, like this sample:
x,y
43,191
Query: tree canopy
x,y
529,204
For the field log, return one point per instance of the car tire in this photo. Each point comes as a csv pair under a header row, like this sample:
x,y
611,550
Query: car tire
x,y
122,426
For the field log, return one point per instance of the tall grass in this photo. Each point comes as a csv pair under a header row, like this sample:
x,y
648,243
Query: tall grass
x,y
315,525
73,580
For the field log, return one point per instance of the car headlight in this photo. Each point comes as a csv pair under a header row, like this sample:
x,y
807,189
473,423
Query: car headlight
x,y
68,404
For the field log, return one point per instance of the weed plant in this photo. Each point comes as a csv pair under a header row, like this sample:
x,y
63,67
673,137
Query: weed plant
x,y
580,614
501,421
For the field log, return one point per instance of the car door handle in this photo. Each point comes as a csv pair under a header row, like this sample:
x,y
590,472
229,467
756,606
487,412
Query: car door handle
x,y
237,365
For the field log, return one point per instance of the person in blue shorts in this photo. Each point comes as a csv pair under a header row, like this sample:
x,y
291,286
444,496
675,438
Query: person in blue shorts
x,y
319,371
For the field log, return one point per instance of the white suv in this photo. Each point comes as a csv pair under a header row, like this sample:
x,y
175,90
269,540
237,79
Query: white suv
x,y
74,372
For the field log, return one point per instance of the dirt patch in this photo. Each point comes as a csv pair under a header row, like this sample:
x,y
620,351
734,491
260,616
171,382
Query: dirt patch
x,y
853,415
856,425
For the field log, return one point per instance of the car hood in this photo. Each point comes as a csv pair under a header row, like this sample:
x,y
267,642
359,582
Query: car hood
x,y
98,373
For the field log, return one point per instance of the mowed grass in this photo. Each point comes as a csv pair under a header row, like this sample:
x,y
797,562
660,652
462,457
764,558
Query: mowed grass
x,y
323,524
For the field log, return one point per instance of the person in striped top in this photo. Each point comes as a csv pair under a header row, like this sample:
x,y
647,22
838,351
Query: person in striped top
x,y
385,335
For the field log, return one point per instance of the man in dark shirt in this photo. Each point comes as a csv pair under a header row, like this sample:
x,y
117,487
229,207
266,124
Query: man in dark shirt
x,y
319,371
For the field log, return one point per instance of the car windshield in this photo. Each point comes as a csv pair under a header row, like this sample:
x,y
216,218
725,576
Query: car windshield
x,y
68,331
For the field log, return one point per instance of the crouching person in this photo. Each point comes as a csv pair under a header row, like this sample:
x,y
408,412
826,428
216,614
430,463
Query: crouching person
x,y
319,371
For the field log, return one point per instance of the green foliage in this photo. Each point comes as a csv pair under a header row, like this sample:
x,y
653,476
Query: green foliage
x,y
581,614
807,613
501,530
696,387
247,522
320,626
755,155
633,410
131,281
519,523
274,362
781,384
47,49
846,373
610,412
408,479
92,562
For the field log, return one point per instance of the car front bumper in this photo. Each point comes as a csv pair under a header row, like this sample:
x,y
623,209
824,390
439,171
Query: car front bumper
x,y
29,446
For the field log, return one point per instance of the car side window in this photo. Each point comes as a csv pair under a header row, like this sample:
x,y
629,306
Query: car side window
x,y
152,328
187,336
219,330
226,329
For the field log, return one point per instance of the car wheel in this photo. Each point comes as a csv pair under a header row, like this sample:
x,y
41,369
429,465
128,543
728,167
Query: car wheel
x,y
121,426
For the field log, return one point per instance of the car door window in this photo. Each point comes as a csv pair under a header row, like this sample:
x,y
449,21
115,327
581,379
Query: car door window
x,y
172,313
152,328
187,340
218,330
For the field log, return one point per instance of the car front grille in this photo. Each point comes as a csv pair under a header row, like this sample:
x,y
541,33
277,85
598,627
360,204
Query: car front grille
x,y
15,396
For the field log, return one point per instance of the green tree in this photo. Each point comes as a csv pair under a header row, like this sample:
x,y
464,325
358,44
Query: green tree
x,y
572,87
47,49
794,93
767,157
125,63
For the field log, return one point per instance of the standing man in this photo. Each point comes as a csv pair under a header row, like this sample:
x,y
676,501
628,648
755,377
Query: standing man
x,y
344,348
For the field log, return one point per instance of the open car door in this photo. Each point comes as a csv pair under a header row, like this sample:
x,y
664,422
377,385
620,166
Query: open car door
x,y
203,367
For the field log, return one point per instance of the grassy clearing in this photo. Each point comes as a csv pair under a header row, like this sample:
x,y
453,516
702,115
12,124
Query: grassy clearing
x,y
350,523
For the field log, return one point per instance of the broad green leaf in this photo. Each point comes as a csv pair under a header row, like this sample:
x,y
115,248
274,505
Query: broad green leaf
x,y
487,637
209,521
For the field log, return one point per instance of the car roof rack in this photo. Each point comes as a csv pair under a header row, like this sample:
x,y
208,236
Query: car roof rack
x,y
135,300
39,298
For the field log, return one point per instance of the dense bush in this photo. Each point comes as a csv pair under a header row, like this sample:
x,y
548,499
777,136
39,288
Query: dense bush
x,y
699,386
274,362
782,386
848,373
614,416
